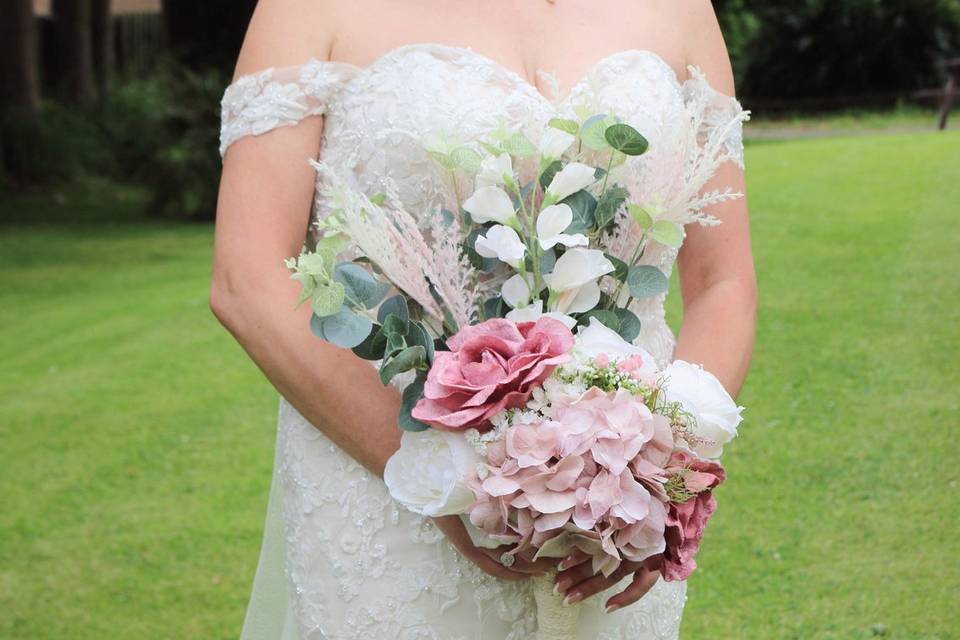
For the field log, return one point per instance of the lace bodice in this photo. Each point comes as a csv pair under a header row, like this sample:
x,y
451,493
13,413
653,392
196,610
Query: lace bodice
x,y
345,538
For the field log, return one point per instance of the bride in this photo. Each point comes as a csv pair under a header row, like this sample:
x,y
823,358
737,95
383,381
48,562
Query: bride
x,y
360,83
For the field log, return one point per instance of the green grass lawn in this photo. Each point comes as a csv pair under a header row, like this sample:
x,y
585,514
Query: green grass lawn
x,y
136,438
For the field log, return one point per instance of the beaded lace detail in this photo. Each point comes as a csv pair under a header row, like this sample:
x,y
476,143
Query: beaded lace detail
x,y
358,565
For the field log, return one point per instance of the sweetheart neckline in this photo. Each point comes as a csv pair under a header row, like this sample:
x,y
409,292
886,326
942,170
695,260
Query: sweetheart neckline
x,y
513,75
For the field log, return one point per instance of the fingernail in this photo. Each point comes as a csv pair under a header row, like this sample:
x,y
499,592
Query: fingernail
x,y
565,564
571,599
611,608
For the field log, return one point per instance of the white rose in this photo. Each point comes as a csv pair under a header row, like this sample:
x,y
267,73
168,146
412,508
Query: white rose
x,y
598,338
428,474
490,204
570,179
704,397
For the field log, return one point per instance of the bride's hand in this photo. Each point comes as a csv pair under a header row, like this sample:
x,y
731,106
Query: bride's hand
x,y
489,559
577,582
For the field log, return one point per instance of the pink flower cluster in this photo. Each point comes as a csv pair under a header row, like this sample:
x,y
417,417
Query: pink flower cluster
x,y
593,476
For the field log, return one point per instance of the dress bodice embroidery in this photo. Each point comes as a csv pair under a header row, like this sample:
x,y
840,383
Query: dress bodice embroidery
x,y
342,528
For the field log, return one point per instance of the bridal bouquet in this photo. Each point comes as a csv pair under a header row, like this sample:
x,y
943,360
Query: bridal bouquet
x,y
527,409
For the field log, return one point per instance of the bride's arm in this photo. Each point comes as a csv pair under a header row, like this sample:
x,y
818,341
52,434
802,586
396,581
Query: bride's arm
x,y
717,278
266,191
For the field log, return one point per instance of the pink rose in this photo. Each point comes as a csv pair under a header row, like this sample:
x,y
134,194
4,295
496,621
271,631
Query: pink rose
x,y
491,366
686,521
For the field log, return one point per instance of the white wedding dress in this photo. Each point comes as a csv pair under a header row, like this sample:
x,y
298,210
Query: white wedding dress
x,y
340,560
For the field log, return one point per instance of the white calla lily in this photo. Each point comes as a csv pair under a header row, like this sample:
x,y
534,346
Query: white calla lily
x,y
572,178
533,312
576,267
502,243
551,224
490,204
554,143
495,171
515,291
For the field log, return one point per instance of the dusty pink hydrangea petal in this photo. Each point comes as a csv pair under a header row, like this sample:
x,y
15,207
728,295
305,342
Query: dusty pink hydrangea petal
x,y
551,521
604,492
498,485
635,504
552,501
533,444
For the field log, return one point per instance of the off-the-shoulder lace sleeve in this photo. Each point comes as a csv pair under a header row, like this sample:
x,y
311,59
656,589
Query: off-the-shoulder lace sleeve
x,y
718,119
278,97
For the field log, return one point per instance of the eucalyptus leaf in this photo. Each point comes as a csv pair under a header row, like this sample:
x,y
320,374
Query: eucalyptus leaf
x,y
414,357
418,335
443,159
344,329
412,394
396,305
466,158
361,287
327,298
519,145
646,281
583,206
395,325
667,232
372,347
546,177
495,308
608,318
629,324
378,199
608,205
548,260
568,126
626,139
640,216
620,268
592,132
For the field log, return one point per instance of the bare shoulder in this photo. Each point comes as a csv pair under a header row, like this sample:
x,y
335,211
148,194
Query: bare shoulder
x,y
703,42
287,33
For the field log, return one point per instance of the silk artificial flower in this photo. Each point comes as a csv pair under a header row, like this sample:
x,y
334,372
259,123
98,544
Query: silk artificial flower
x,y
515,291
533,312
574,280
597,339
551,224
490,204
502,243
700,393
554,143
572,178
495,171
428,474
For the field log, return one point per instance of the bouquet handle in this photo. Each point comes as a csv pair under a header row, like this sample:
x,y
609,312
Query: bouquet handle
x,y
555,620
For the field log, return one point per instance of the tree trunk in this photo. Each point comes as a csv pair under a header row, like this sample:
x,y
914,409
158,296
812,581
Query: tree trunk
x,y
19,93
102,35
72,22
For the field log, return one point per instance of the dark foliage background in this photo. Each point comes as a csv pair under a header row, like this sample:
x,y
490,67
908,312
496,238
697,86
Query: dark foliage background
x,y
136,100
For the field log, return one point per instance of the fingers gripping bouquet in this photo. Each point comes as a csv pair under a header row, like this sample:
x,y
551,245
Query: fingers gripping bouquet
x,y
530,413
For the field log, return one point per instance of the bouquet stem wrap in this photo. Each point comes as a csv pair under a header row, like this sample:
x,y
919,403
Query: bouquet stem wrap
x,y
555,621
